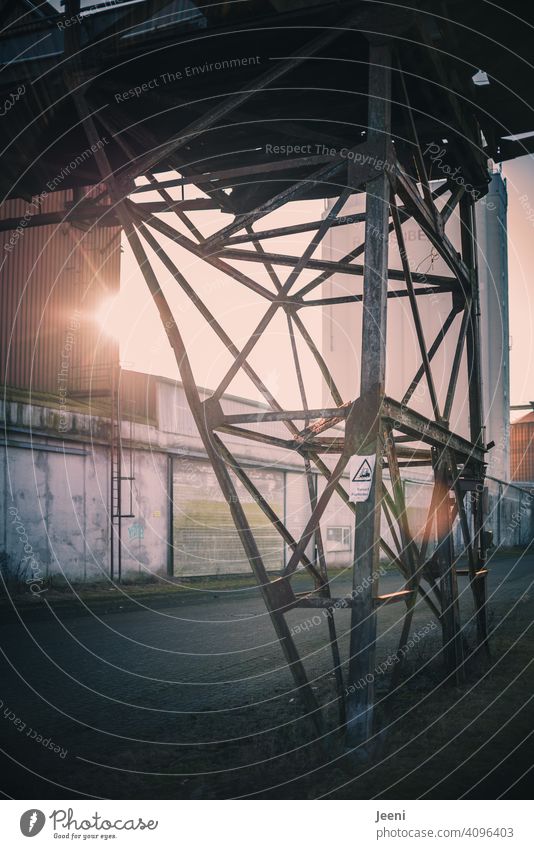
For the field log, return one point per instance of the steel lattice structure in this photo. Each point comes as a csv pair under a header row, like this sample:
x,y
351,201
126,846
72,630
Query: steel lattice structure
x,y
373,423
397,188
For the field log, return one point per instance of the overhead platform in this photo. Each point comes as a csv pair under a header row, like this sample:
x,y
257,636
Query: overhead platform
x,y
152,71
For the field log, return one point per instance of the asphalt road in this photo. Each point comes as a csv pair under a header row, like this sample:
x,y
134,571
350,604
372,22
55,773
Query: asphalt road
x,y
124,693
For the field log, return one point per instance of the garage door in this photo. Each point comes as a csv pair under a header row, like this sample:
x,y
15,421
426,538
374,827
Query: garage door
x,y
205,539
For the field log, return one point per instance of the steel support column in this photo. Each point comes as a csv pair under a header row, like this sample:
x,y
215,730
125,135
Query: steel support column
x,y
446,573
373,372
476,416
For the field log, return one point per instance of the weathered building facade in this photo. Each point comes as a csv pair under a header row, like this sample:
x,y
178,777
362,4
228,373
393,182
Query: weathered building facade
x,y
56,493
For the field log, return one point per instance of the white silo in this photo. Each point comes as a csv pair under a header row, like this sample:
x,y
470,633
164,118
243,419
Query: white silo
x,y
342,323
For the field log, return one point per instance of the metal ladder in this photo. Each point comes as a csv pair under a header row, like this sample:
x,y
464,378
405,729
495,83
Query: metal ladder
x,y
121,458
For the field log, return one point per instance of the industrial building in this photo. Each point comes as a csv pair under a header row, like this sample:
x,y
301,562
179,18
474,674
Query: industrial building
x,y
174,520
522,449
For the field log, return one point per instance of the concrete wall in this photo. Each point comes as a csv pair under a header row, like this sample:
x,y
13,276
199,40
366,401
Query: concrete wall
x,y
55,497
55,494
57,502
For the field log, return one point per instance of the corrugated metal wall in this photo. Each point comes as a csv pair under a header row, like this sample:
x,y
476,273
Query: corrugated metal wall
x,y
522,450
138,396
53,280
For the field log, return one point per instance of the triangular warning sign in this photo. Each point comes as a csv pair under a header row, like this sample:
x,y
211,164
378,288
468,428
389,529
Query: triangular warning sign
x,y
362,467
364,473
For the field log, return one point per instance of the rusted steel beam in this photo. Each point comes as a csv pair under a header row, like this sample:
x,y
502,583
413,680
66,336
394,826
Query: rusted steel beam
x,y
265,438
432,351
386,498
410,464
195,204
468,238
413,304
244,171
82,213
283,415
264,505
401,418
246,350
208,315
357,426
476,413
317,513
445,562
393,598
293,229
418,155
321,446
323,602
419,427
355,252
330,266
147,140
290,193
360,700
425,217
194,248
305,257
358,176
324,588
261,256
451,204
398,502
479,575
456,362
143,137
411,453
433,433
393,293
336,444
409,546
258,247
319,359
403,569
296,362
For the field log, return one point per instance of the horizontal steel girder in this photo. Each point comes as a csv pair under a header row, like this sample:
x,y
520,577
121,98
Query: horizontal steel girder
x,y
398,416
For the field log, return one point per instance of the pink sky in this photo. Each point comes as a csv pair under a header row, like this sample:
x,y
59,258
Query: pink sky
x,y
144,346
